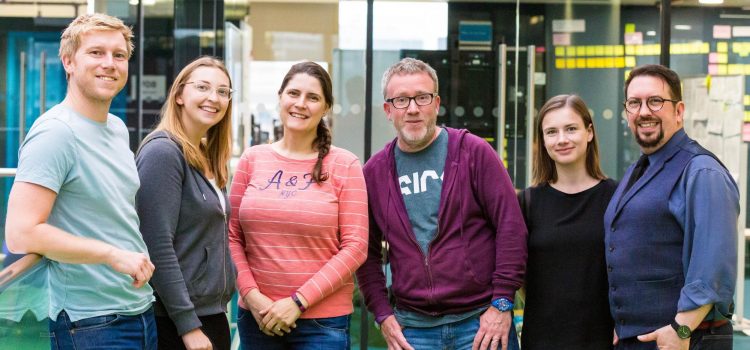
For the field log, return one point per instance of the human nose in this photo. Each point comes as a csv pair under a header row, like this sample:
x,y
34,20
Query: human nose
x,y
412,106
108,60
561,138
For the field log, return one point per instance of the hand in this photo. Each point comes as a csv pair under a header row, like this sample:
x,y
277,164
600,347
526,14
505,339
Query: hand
x,y
666,339
257,301
196,340
137,265
280,316
494,327
392,334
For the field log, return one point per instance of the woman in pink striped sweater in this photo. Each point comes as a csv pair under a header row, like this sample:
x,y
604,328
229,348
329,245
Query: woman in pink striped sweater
x,y
298,229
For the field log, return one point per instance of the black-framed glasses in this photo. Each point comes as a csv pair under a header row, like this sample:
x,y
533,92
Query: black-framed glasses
x,y
402,102
654,104
205,88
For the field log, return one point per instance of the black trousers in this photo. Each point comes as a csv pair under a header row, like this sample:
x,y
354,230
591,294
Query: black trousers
x,y
216,328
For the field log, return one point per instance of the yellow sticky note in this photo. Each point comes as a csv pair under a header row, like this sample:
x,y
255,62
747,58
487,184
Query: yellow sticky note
x,y
619,50
736,69
600,50
722,46
581,62
746,100
609,62
609,50
747,69
675,49
630,50
722,58
629,27
590,50
600,62
591,62
581,50
723,69
639,50
560,63
559,51
630,61
747,116
654,49
619,62
627,73
570,63
705,48
570,51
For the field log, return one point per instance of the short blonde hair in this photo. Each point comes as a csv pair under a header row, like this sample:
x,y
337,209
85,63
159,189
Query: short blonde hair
x,y
71,37
407,66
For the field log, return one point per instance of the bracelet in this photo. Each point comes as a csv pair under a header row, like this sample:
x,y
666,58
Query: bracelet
x,y
301,307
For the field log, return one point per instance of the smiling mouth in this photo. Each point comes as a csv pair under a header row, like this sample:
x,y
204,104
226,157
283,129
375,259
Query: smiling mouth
x,y
648,123
298,116
209,109
106,78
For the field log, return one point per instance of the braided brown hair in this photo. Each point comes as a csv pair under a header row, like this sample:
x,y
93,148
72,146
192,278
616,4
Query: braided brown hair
x,y
322,142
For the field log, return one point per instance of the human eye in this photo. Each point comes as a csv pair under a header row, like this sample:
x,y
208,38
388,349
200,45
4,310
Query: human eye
x,y
571,129
655,101
293,93
401,100
202,87
550,132
314,98
633,103
223,92
121,55
424,98
95,52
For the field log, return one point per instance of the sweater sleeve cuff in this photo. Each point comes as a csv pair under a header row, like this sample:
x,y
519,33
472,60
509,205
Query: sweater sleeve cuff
x,y
186,322
379,319
504,291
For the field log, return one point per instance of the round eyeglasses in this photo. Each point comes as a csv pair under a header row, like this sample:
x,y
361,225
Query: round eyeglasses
x,y
205,88
402,102
654,104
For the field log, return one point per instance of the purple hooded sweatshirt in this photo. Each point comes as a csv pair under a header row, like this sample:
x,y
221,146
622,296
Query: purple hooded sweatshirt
x,y
479,251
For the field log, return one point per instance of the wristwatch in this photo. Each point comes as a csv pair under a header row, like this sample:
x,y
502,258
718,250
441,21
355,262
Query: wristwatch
x,y
502,304
683,331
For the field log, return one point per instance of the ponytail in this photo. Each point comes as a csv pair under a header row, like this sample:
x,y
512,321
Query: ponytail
x,y
323,144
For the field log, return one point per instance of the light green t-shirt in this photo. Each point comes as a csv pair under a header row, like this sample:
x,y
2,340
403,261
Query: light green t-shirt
x,y
91,168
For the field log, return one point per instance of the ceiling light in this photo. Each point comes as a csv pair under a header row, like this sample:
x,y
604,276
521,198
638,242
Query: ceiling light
x,y
682,27
651,33
711,2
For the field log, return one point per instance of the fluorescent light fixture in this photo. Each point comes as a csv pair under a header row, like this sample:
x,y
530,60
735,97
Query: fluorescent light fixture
x,y
734,16
711,2
651,33
682,27
133,2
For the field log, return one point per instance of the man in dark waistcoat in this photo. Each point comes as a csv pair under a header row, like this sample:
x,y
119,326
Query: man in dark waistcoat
x,y
670,229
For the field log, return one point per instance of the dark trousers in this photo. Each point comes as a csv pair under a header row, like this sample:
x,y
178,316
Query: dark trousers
x,y
215,327
719,338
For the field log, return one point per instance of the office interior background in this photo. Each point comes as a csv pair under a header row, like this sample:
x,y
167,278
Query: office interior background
x,y
497,62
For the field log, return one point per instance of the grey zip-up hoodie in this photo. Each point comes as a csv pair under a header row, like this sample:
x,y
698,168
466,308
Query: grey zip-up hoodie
x,y
185,229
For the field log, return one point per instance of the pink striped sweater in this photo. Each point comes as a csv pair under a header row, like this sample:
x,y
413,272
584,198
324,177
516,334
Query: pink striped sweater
x,y
287,234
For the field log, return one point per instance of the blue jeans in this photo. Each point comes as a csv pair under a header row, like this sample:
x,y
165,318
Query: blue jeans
x,y
311,334
452,336
104,332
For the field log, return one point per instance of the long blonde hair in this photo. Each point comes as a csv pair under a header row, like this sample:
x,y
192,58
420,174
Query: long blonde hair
x,y
216,148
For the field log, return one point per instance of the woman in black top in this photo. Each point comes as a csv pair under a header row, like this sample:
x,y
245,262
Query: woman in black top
x,y
566,278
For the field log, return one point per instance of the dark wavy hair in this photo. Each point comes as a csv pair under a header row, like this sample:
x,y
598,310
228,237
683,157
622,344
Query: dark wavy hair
x,y
322,142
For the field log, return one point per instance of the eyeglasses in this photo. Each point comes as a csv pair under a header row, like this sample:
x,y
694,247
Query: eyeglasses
x,y
223,91
654,104
404,101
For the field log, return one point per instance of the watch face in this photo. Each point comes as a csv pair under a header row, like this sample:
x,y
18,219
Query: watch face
x,y
683,332
502,304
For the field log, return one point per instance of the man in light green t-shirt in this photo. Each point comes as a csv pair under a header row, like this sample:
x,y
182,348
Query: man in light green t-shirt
x,y
73,200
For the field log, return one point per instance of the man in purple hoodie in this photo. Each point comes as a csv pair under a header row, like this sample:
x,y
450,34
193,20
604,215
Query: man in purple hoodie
x,y
443,202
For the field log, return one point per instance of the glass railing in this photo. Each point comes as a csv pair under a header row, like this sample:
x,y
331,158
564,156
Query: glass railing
x,y
24,301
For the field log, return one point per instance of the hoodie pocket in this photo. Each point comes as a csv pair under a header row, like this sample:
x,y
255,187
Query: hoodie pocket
x,y
205,281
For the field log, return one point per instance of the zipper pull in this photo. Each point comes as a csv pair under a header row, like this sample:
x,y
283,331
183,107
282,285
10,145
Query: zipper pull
x,y
204,196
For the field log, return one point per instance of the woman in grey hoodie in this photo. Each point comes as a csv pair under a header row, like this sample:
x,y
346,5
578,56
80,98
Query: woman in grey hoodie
x,y
183,208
